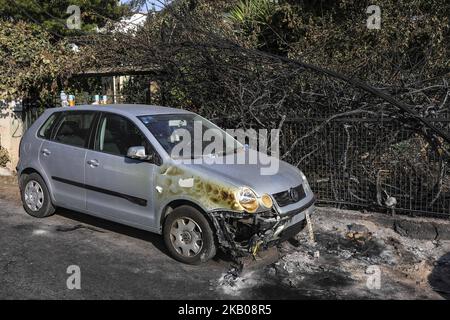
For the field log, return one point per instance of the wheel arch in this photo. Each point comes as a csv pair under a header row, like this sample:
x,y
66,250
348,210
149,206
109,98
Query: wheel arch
x,y
29,170
168,208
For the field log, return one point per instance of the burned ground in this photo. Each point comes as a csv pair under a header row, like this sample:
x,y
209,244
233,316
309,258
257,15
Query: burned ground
x,y
349,245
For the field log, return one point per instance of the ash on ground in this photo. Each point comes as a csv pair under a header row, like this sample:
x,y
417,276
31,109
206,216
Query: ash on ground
x,y
355,256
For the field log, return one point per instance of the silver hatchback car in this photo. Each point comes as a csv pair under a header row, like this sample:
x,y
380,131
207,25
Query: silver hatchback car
x,y
116,162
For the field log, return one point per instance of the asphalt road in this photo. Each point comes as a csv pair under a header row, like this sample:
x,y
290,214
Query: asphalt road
x,y
116,262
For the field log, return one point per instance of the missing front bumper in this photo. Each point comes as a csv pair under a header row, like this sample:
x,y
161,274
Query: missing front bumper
x,y
242,234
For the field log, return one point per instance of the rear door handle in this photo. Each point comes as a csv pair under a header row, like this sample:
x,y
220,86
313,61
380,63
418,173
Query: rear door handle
x,y
46,152
93,163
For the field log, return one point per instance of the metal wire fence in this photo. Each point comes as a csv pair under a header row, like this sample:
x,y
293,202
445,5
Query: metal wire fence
x,y
375,163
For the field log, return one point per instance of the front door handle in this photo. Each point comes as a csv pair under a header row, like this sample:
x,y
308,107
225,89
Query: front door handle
x,y
93,163
46,152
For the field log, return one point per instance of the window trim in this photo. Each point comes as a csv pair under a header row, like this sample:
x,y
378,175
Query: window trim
x,y
96,131
57,114
93,131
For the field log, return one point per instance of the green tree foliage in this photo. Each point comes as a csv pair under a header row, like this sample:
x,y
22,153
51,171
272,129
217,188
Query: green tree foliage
x,y
29,60
52,14
411,45
34,54
407,57
265,22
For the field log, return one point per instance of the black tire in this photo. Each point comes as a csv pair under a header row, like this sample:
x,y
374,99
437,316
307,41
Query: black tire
x,y
208,246
47,209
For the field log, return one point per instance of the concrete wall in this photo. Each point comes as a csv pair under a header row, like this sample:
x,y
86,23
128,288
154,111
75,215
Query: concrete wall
x,y
11,130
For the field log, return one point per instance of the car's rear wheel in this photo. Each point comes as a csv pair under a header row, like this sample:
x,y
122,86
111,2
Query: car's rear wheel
x,y
35,196
189,236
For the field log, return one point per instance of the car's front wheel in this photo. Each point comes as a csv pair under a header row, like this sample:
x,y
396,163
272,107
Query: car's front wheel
x,y
189,236
35,196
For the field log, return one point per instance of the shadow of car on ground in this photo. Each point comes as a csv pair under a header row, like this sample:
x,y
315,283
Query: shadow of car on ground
x,y
91,222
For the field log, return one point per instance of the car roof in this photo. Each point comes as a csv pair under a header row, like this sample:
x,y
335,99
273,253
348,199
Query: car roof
x,y
125,109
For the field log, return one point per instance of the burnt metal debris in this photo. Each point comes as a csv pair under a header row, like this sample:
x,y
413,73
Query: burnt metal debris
x,y
244,234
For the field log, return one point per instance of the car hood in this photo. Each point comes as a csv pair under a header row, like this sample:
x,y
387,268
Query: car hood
x,y
249,175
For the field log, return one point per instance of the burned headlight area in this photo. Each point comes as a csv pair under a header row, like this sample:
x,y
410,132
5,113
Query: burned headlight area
x,y
242,233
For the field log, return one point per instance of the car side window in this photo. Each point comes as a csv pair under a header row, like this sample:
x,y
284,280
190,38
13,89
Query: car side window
x,y
115,134
46,129
74,128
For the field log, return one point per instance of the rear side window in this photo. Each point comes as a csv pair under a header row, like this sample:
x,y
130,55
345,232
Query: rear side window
x,y
46,130
73,129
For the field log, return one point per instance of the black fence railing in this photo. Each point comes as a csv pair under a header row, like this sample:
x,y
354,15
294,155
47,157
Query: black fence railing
x,y
30,112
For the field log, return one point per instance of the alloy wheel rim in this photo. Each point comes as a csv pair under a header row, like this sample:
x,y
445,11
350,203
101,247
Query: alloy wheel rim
x,y
34,195
186,237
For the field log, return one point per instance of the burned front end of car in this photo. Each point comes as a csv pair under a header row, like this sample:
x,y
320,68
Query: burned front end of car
x,y
245,220
244,233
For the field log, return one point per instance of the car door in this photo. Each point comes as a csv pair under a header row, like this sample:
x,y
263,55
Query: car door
x,y
63,158
117,187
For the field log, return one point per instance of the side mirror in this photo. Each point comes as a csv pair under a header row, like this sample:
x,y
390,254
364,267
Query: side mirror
x,y
137,153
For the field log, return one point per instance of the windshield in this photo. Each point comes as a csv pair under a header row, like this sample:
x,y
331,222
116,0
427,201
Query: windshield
x,y
190,135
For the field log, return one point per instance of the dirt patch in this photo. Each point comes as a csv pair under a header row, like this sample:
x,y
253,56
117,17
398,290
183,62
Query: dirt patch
x,y
416,230
400,251
423,230
9,189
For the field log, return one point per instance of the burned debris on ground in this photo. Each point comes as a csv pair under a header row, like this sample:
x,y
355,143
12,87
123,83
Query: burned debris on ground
x,y
349,248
